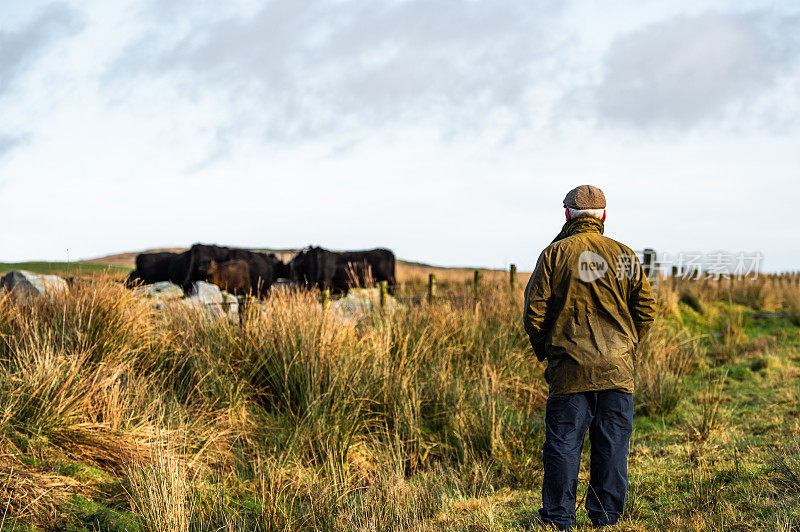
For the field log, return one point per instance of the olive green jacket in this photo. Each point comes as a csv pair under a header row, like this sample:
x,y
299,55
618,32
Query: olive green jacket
x,y
588,304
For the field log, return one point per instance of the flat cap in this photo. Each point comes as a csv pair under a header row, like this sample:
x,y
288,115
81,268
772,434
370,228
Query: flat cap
x,y
585,197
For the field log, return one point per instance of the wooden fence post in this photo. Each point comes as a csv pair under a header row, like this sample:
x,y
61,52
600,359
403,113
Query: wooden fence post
x,y
431,287
384,288
326,298
240,308
512,277
649,262
476,285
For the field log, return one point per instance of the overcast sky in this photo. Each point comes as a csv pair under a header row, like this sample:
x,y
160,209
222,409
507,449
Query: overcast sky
x,y
448,131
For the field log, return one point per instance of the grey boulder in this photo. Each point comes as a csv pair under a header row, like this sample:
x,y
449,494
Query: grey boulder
x,y
213,300
359,302
163,290
206,293
24,284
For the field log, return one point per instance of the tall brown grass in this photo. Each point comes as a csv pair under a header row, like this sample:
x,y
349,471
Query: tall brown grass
x,y
297,418
318,419
160,489
767,292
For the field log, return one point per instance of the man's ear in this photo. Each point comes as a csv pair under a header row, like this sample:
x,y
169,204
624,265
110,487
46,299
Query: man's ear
x,y
566,213
604,216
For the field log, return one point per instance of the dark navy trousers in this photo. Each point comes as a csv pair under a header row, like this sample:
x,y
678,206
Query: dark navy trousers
x,y
608,416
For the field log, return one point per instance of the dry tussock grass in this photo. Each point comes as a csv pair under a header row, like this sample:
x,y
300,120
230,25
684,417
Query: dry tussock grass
x,y
665,357
100,446
768,292
30,496
320,421
159,490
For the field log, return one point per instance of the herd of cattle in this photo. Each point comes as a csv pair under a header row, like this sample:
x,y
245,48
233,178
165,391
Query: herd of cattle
x,y
241,271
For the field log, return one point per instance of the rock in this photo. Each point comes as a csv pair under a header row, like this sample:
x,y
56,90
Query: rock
x,y
206,293
213,300
361,301
163,290
24,284
230,303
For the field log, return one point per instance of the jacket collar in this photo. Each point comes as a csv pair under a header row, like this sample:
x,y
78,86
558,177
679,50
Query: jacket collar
x,y
584,225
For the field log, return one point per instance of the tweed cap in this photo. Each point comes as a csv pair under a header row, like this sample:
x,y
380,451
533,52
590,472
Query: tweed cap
x,y
585,197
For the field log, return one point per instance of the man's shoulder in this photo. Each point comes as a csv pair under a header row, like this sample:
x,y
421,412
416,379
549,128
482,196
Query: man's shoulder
x,y
558,246
583,241
615,243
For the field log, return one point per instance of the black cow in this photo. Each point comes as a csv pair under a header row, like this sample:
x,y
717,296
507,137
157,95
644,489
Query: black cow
x,y
372,264
314,267
232,276
160,266
282,270
341,271
263,267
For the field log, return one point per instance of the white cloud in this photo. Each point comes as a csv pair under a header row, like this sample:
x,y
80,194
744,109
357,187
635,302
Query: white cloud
x,y
8,143
20,47
296,70
290,71
690,70
356,123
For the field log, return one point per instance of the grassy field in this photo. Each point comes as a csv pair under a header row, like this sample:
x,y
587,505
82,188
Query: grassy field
x,y
116,416
119,264
65,269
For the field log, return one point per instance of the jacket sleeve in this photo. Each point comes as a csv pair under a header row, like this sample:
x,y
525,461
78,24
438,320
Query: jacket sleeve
x,y
537,299
641,302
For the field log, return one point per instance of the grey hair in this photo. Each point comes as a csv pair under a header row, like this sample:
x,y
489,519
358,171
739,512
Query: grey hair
x,y
586,213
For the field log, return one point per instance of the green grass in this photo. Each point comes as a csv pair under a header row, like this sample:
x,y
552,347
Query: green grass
x,y
120,417
742,476
64,269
